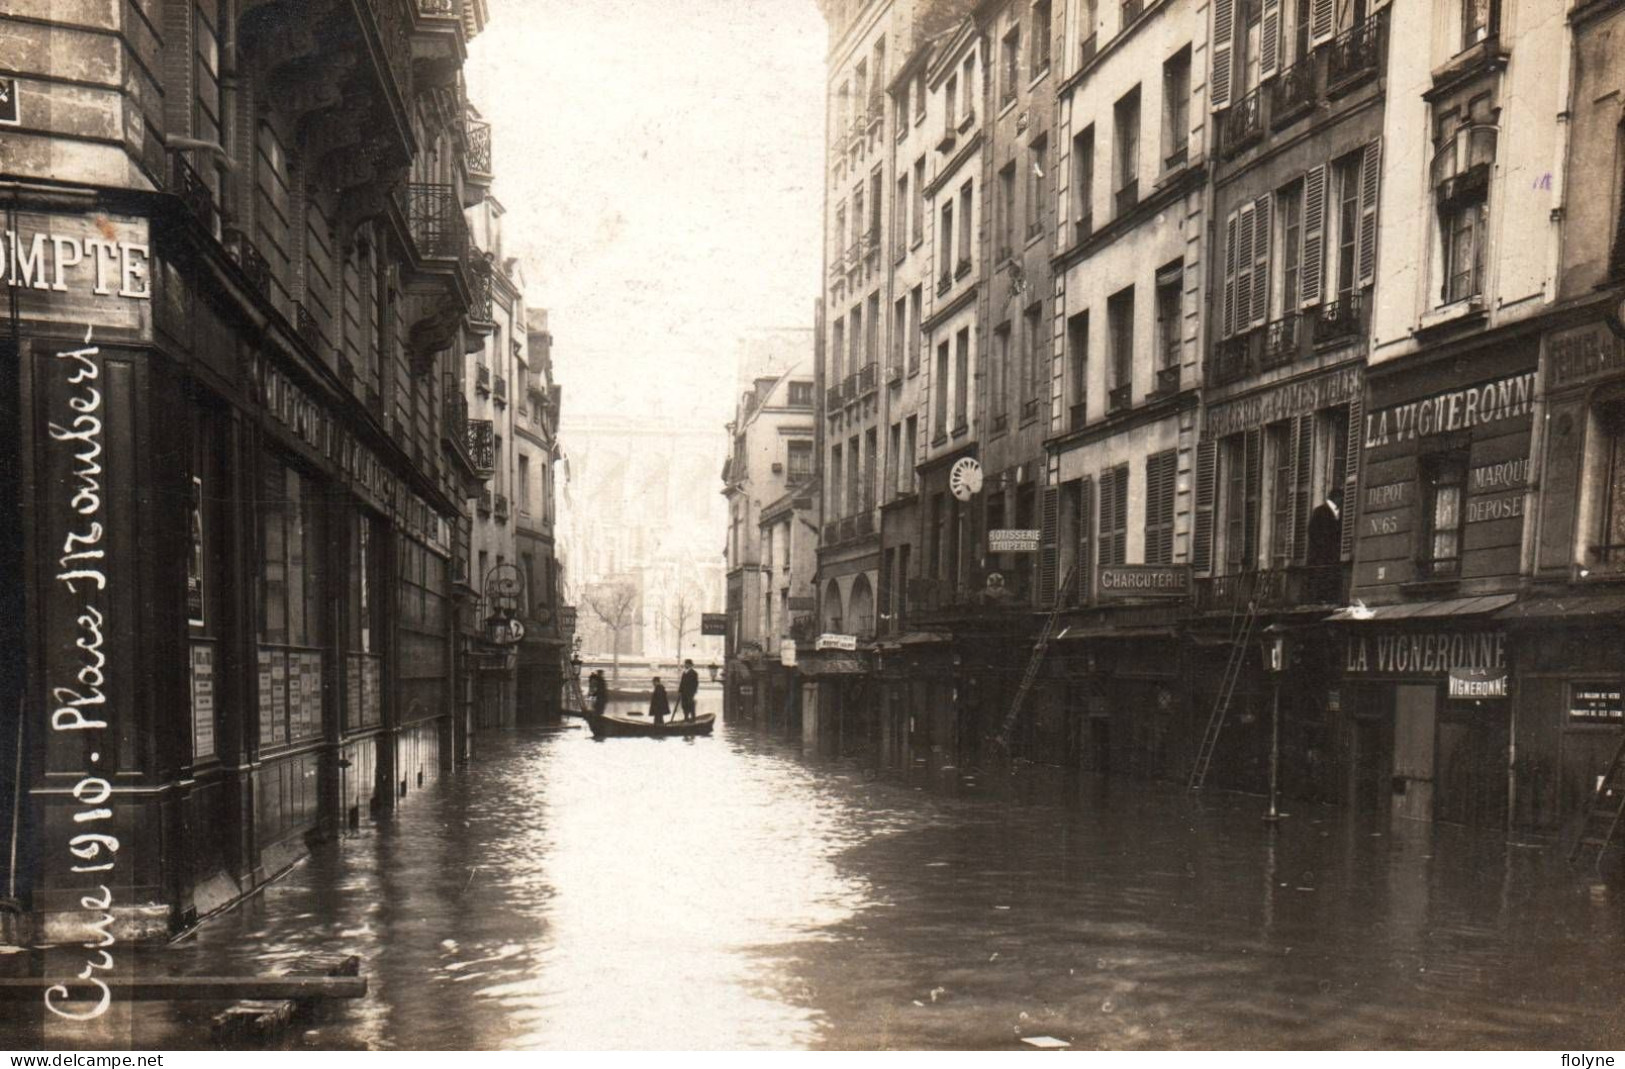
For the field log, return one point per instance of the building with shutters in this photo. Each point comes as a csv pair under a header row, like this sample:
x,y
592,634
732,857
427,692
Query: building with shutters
x,y
240,328
541,660
1467,264
1297,96
1130,278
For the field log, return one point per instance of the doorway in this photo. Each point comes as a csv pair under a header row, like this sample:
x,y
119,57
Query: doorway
x,y
1473,745
1415,712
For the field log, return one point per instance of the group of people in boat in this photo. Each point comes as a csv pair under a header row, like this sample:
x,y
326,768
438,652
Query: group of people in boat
x,y
688,687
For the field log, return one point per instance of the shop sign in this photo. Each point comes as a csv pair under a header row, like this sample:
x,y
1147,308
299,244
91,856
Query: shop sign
x,y
1477,683
713,623
1506,475
78,269
1012,541
1423,653
1143,581
1596,703
202,700
787,652
1283,402
1583,354
1454,410
837,642
1498,507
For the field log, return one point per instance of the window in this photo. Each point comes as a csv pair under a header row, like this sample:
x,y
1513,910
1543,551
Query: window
x,y
1246,267
915,300
894,446
1077,348
292,603
1032,322
854,357
899,333
961,379
999,374
1289,211
1278,443
911,443
1005,207
837,352
1608,551
1083,182
899,207
801,393
950,102
1176,105
1464,157
1127,115
1346,184
767,611
858,215
1041,37
871,461
1476,21
919,96
1113,541
1161,486
840,231
1120,321
965,235
1010,65
945,247
835,486
902,109
1170,318
523,479
1444,480
875,180
854,477
871,339
1037,186
1242,471
860,88
916,227
206,118
799,460
968,86
941,391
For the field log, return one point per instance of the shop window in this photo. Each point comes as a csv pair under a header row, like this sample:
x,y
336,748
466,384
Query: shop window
x,y
1444,479
1606,553
292,606
363,700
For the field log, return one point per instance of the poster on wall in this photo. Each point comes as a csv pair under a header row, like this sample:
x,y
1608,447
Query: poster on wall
x,y
313,694
194,559
374,704
279,698
267,698
352,691
1596,703
202,701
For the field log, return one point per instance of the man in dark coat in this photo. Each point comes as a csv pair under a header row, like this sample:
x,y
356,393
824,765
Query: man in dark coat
x,y
1326,546
687,687
659,706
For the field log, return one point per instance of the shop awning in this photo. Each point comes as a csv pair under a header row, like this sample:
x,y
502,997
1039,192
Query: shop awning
x,y
924,638
1578,608
1078,633
1422,610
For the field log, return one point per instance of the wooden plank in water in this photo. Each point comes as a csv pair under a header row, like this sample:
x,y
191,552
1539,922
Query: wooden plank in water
x,y
192,988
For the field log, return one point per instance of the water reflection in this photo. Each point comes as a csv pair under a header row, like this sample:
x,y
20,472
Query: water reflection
x,y
721,892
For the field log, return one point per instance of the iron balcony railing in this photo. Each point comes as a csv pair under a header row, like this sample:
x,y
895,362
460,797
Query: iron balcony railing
x,y
482,378
1242,123
865,524
945,283
479,148
1232,358
244,254
869,378
962,268
482,444
1341,320
849,388
484,499
1281,341
305,325
1001,422
832,532
194,193
434,216
849,528
832,397
1355,53
1077,415
439,9
1167,380
1293,586
455,427
477,270
501,509
1120,397
499,388
1029,409
1293,91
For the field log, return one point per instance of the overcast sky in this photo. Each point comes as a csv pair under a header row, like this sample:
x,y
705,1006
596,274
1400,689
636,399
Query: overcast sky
x,y
659,161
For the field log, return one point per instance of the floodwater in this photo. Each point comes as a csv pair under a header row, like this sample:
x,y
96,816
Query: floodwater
x,y
725,893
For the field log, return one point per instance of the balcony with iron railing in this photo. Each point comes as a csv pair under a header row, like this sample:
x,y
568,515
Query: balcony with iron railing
x,y
833,398
1290,587
457,434
869,379
945,283
1120,399
1293,91
1241,124
499,389
479,151
1233,357
1342,321
501,508
1281,344
1356,54
483,500
309,331
1167,381
1029,409
482,378
482,446
249,260
194,193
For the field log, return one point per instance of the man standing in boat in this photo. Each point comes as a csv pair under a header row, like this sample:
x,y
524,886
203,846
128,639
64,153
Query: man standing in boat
x,y
687,688
659,706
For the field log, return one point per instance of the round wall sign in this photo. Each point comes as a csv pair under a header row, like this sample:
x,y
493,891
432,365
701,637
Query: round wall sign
x,y
965,478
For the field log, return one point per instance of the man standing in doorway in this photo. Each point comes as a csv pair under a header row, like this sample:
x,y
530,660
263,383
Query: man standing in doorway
x,y
687,688
1326,548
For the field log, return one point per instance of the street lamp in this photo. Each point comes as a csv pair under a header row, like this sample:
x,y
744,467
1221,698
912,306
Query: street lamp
x,y
575,667
712,668
1273,649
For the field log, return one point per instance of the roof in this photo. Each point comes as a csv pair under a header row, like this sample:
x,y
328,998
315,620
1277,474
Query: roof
x,y
1576,608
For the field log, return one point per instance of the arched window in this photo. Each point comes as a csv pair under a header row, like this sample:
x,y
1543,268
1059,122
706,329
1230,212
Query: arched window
x,y
861,607
832,607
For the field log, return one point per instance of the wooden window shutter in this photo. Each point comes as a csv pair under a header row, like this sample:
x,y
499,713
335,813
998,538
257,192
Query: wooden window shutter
x,y
1153,506
1228,314
1207,480
1314,233
1254,496
1120,520
1370,181
1322,22
1303,453
1086,540
1108,511
1046,546
1269,46
1244,268
1261,260
1224,32
1351,477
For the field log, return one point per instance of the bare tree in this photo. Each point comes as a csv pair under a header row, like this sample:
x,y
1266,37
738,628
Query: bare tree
x,y
616,604
680,607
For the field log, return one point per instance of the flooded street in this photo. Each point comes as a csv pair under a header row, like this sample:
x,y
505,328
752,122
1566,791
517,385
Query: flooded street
x,y
722,892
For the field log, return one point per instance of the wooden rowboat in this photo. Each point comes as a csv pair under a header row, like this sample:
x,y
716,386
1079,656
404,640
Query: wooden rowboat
x,y
615,725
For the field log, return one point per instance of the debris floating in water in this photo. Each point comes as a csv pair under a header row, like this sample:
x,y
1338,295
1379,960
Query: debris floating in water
x,y
1045,1042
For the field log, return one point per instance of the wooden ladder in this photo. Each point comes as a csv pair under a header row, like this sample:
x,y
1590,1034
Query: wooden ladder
x,y
1605,813
1240,637
1035,663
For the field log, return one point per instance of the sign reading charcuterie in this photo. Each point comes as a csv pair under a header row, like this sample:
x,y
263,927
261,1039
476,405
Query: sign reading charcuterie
x,y
1143,581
